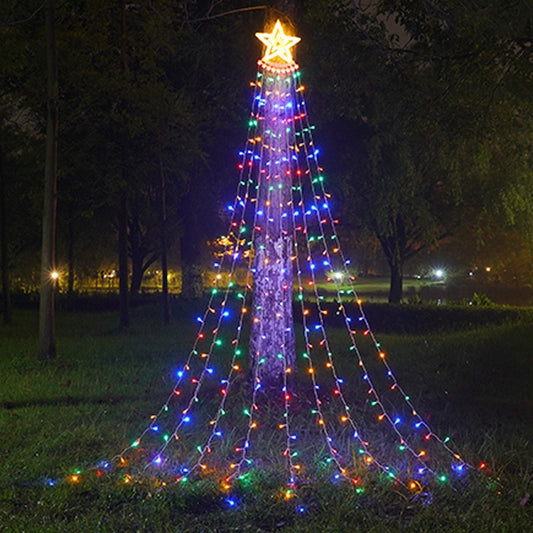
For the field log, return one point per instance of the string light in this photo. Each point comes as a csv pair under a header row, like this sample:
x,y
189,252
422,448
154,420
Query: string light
x,y
281,192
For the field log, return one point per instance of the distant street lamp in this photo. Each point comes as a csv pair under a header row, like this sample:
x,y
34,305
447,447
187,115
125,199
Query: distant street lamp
x,y
439,273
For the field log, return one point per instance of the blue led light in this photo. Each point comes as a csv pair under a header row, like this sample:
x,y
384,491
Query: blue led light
x,y
459,468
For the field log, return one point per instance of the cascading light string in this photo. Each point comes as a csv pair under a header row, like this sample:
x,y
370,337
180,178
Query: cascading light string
x,y
240,200
280,152
288,452
420,422
321,326
207,356
234,367
338,391
309,347
258,360
369,458
237,351
251,410
307,355
366,375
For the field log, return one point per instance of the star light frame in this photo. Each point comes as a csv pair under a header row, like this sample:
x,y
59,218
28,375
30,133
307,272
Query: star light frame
x,y
418,449
278,46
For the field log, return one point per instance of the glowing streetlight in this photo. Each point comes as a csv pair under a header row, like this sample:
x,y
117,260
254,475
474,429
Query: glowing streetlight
x,y
278,45
439,273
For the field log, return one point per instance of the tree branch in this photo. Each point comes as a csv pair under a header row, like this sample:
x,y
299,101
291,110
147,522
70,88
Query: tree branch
x,y
16,22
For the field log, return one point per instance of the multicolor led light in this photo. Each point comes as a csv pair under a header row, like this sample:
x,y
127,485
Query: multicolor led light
x,y
342,410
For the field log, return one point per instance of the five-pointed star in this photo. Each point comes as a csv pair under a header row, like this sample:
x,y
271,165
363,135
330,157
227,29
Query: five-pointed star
x,y
278,45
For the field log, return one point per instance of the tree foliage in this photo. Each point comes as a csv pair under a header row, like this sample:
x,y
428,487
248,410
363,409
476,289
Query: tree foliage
x,y
430,99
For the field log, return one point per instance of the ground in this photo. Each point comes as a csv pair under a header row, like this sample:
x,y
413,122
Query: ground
x,y
54,418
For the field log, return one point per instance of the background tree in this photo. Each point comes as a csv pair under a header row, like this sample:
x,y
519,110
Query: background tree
x,y
417,103
47,341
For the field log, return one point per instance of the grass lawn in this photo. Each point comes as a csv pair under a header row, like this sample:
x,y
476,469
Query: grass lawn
x,y
474,384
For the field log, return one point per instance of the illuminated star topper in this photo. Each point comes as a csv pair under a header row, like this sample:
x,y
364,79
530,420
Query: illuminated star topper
x,y
278,45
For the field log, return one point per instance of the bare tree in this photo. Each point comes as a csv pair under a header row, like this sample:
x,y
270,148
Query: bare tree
x,y
47,338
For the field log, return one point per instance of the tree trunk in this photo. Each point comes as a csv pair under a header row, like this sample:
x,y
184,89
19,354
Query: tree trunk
x,y
6,289
272,333
136,253
396,281
192,286
163,235
70,258
47,337
123,207
123,259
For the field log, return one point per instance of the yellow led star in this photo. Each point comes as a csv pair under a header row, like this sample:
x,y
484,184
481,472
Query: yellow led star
x,y
278,45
